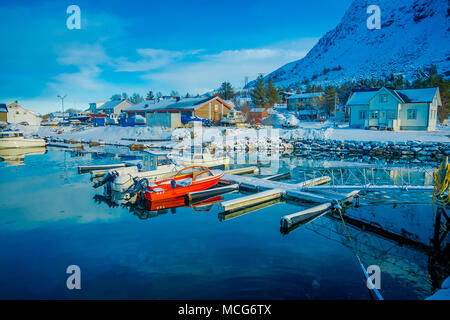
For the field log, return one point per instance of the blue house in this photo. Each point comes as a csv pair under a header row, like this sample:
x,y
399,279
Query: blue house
x,y
388,109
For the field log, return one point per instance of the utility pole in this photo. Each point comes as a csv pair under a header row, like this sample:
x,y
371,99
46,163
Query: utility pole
x,y
62,103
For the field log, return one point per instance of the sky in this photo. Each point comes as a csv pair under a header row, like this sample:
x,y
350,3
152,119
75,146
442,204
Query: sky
x,y
189,46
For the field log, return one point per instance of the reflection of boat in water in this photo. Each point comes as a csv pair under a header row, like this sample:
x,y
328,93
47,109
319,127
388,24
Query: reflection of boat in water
x,y
190,179
16,156
15,139
203,159
202,205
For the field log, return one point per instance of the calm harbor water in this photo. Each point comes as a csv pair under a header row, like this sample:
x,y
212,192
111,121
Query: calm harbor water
x,y
50,219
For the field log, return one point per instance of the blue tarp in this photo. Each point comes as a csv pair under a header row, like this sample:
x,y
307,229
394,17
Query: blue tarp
x,y
186,119
98,122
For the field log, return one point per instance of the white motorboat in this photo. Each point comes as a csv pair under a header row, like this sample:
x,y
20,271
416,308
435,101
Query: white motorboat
x,y
15,139
154,167
202,159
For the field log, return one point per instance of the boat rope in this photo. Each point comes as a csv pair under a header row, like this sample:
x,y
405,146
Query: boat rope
x,y
441,194
338,207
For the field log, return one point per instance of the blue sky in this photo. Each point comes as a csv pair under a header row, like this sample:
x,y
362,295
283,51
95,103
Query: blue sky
x,y
137,46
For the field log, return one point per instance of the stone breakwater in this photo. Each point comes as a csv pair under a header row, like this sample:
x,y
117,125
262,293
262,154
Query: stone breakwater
x,y
420,150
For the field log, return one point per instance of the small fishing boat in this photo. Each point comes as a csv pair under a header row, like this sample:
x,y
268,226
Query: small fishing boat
x,y
153,167
203,159
190,179
15,139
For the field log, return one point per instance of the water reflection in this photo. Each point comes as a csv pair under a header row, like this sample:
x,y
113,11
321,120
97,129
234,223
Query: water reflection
x,y
16,156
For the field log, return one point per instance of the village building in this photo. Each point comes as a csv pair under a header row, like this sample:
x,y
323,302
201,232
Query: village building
x,y
257,114
94,106
3,112
18,114
388,109
114,106
168,112
305,101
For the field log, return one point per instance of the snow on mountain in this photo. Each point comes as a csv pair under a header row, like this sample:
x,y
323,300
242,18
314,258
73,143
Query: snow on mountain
x,y
414,34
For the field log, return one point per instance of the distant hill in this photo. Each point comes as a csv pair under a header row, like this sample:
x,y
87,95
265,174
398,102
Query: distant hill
x,y
413,36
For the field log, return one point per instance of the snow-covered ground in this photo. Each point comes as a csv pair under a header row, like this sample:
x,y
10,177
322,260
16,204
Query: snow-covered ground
x,y
223,136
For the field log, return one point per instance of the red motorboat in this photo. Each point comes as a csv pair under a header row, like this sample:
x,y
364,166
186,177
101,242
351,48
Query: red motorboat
x,y
189,179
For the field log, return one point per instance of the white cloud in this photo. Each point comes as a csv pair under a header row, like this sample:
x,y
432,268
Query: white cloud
x,y
151,59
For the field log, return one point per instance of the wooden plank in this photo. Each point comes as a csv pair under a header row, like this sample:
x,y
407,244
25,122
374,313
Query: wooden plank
x,y
228,215
251,200
292,219
369,187
279,176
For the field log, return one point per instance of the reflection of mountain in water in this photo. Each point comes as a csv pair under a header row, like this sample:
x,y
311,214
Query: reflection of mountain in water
x,y
16,156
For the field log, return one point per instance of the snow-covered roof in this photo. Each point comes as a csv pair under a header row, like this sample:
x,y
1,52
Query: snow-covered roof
x,y
3,107
361,97
418,95
183,104
306,95
110,104
147,105
407,96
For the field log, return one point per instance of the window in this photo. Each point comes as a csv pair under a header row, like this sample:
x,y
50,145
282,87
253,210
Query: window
x,y
363,114
374,114
412,114
383,98
392,114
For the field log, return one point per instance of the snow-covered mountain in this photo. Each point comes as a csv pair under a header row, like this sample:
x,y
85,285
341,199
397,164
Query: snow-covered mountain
x,y
414,34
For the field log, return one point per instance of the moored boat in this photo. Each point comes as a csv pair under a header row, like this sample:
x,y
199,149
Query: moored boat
x,y
203,159
190,179
15,139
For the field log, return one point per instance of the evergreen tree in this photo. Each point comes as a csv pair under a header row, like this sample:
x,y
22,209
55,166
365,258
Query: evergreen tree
x,y
174,93
136,98
150,95
272,94
116,97
159,95
331,100
226,91
124,96
258,93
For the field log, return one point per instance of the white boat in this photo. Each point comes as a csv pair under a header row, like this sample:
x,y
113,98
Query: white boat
x,y
202,159
15,139
155,166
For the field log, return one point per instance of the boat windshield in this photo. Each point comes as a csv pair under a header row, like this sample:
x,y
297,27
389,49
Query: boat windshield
x,y
10,134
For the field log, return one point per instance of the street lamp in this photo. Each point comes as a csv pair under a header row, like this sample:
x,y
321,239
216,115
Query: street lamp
x,y
62,103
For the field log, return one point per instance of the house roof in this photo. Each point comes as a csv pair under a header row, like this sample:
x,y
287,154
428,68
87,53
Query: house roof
x,y
361,97
418,95
110,104
148,105
183,104
306,95
3,107
425,95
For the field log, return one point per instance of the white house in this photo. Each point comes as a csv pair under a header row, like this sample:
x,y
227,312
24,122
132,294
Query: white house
x,y
409,109
18,114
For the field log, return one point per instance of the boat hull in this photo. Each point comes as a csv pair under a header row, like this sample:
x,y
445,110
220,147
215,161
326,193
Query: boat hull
x,y
181,191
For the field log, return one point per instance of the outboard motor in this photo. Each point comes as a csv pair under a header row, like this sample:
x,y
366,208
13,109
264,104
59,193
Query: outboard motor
x,y
109,177
138,185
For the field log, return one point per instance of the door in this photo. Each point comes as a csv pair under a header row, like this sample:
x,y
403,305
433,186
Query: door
x,y
382,121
